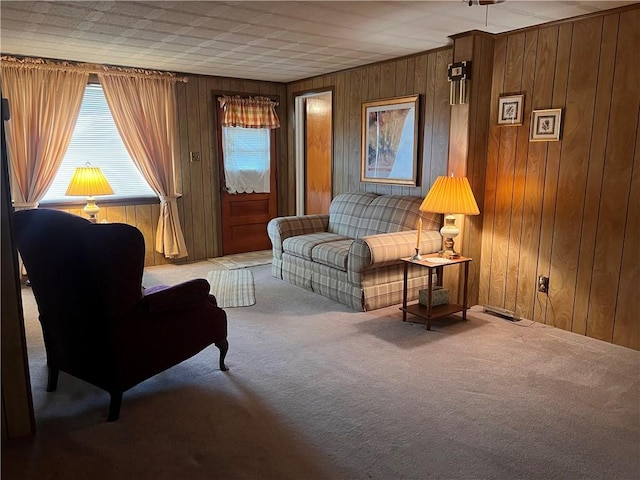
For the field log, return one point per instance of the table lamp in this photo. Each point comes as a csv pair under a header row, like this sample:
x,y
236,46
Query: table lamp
x,y
87,182
450,196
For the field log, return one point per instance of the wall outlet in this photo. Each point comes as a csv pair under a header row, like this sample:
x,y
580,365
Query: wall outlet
x,y
194,156
543,284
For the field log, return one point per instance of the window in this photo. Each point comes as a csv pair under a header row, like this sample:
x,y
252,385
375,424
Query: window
x,y
247,159
96,140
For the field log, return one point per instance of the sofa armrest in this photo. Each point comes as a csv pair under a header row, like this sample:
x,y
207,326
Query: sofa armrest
x,y
178,297
281,228
387,248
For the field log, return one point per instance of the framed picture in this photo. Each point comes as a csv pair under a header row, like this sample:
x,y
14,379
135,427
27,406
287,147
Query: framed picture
x,y
390,141
510,109
545,125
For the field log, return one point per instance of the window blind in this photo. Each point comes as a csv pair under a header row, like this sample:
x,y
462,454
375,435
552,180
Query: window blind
x,y
96,140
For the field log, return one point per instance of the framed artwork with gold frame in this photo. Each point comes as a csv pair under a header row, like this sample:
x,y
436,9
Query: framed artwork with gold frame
x,y
390,141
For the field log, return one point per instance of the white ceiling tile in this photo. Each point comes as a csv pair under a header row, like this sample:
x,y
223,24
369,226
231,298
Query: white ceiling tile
x,y
265,40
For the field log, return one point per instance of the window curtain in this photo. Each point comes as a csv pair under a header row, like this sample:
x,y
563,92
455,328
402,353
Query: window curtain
x,y
247,155
247,159
144,111
44,103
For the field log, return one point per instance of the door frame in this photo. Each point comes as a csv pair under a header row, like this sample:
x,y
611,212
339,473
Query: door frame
x,y
219,160
299,141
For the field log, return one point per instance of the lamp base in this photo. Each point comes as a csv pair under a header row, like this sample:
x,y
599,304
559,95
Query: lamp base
x,y
449,231
91,209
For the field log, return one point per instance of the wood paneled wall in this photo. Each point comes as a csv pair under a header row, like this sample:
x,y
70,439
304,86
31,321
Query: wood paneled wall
x,y
569,209
144,217
199,182
468,136
425,74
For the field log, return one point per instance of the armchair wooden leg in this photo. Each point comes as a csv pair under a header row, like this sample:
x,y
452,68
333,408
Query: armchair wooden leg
x,y
52,380
114,406
224,348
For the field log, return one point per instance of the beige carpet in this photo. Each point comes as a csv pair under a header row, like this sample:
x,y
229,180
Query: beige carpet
x,y
244,260
318,391
232,288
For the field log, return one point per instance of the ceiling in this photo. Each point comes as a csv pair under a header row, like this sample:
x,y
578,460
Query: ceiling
x,y
260,40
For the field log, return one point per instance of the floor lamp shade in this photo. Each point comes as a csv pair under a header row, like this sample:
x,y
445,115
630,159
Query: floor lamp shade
x,y
450,196
88,182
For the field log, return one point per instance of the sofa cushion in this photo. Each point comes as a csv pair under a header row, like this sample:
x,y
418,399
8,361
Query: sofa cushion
x,y
346,210
302,245
389,214
333,254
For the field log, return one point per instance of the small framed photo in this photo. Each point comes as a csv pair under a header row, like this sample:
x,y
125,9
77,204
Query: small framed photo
x,y
545,125
510,109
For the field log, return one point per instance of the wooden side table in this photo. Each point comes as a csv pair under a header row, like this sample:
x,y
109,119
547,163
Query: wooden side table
x,y
434,264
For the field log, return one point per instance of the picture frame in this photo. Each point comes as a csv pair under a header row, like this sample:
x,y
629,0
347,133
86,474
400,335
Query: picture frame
x,y
390,141
545,125
510,108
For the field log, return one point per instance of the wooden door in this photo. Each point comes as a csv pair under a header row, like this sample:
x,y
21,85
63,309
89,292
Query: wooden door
x,y
318,157
244,216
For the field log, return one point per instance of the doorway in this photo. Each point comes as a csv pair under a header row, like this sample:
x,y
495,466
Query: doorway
x,y
314,152
244,216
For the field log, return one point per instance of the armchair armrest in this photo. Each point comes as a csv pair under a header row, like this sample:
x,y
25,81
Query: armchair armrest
x,y
177,297
281,228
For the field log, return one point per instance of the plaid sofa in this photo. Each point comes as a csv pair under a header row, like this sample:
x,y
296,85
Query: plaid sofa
x,y
351,255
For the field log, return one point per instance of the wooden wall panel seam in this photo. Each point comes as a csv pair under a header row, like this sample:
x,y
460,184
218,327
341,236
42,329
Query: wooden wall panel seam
x,y
617,176
527,84
554,154
572,174
626,329
493,148
575,325
551,35
206,158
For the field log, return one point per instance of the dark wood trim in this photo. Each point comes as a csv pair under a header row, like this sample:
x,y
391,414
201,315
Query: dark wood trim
x,y
17,405
471,32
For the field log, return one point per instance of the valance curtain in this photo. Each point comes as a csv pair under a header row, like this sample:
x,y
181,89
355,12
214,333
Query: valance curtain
x,y
246,134
144,111
249,112
44,105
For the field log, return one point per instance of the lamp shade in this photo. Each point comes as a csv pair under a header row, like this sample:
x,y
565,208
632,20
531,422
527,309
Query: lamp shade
x,y
88,182
451,195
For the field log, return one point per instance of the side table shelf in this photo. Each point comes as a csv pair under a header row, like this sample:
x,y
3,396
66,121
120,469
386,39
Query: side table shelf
x,y
429,312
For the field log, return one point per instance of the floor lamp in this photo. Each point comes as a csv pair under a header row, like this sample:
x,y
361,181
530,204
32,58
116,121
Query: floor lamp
x,y
450,196
88,182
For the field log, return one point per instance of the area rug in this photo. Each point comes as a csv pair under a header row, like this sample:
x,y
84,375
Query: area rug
x,y
244,260
232,288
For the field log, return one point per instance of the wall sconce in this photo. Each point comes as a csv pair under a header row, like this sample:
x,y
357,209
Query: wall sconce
x,y
458,72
